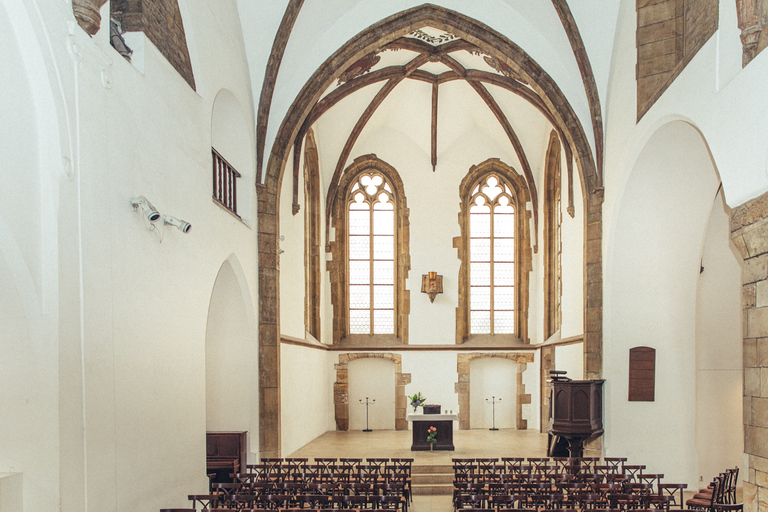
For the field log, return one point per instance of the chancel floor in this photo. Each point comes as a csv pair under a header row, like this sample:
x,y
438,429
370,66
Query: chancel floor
x,y
392,443
397,443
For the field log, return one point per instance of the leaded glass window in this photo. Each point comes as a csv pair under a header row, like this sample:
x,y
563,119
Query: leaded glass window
x,y
492,258
371,255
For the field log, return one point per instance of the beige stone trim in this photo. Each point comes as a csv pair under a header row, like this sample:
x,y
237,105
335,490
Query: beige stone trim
x,y
312,230
341,389
462,386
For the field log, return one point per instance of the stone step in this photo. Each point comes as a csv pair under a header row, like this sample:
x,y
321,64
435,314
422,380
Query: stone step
x,y
432,489
429,469
432,478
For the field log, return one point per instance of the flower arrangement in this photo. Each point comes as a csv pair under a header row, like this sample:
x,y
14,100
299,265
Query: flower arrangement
x,y
432,436
417,400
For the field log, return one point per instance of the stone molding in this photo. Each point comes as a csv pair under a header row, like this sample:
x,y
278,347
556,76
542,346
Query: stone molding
x,y
462,386
341,388
753,23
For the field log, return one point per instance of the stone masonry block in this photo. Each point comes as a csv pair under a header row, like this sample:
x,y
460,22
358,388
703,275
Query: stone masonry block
x,y
757,323
759,463
756,237
737,237
761,294
750,497
756,441
764,382
747,410
759,413
761,479
761,353
754,269
748,296
750,352
751,381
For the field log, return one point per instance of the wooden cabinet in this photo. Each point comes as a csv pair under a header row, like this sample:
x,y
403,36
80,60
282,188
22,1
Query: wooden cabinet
x,y
226,453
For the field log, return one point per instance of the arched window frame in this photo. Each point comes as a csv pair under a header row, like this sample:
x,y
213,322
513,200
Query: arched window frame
x,y
339,248
553,245
523,254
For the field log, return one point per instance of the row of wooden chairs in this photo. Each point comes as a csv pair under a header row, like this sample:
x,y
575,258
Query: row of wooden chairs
x,y
274,503
722,491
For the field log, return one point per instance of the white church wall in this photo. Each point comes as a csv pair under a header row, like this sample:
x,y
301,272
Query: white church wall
x,y
131,376
433,374
492,379
653,264
719,367
570,358
306,394
374,379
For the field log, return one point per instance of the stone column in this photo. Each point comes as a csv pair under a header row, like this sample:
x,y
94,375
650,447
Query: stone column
x,y
749,233
88,15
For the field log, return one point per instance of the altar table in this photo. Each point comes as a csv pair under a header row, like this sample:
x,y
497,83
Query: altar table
x,y
444,425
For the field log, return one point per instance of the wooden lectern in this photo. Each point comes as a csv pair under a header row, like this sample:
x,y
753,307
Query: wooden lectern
x,y
575,413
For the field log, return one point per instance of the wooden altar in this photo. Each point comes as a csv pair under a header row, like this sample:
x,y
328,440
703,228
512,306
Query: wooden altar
x,y
444,425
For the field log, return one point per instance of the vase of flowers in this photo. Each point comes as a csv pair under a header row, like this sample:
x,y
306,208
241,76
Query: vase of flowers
x,y
432,437
417,400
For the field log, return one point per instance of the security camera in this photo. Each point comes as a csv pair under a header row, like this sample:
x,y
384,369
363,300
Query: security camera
x,y
149,211
183,226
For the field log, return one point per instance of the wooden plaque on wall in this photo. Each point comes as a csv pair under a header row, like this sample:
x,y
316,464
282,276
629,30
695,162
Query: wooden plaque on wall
x,y
642,374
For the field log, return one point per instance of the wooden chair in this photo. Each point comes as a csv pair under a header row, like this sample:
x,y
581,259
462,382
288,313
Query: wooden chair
x,y
674,495
472,501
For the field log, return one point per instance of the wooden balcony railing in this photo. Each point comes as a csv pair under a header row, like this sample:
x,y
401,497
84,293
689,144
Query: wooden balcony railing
x,y
224,182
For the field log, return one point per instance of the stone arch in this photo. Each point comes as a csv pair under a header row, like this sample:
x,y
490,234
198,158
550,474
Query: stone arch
x,y
389,29
341,388
462,386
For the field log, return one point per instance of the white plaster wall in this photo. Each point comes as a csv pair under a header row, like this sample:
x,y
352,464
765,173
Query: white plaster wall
x,y
306,394
433,374
532,382
570,358
719,368
492,378
372,378
652,269
11,492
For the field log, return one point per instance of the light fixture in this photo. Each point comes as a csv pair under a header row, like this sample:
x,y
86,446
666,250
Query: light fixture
x,y
183,225
431,284
149,211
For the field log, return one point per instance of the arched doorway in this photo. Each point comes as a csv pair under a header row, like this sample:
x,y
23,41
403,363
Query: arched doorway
x,y
230,347
656,295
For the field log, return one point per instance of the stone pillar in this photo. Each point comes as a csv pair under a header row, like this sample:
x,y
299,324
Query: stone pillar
x,y
88,15
749,233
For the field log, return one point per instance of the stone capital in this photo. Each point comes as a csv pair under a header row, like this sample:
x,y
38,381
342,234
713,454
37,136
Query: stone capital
x,y
88,15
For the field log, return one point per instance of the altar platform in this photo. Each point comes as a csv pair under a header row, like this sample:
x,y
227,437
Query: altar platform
x,y
397,443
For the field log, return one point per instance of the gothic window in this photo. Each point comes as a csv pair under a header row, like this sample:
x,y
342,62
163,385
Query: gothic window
x,y
492,258
495,254
370,254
